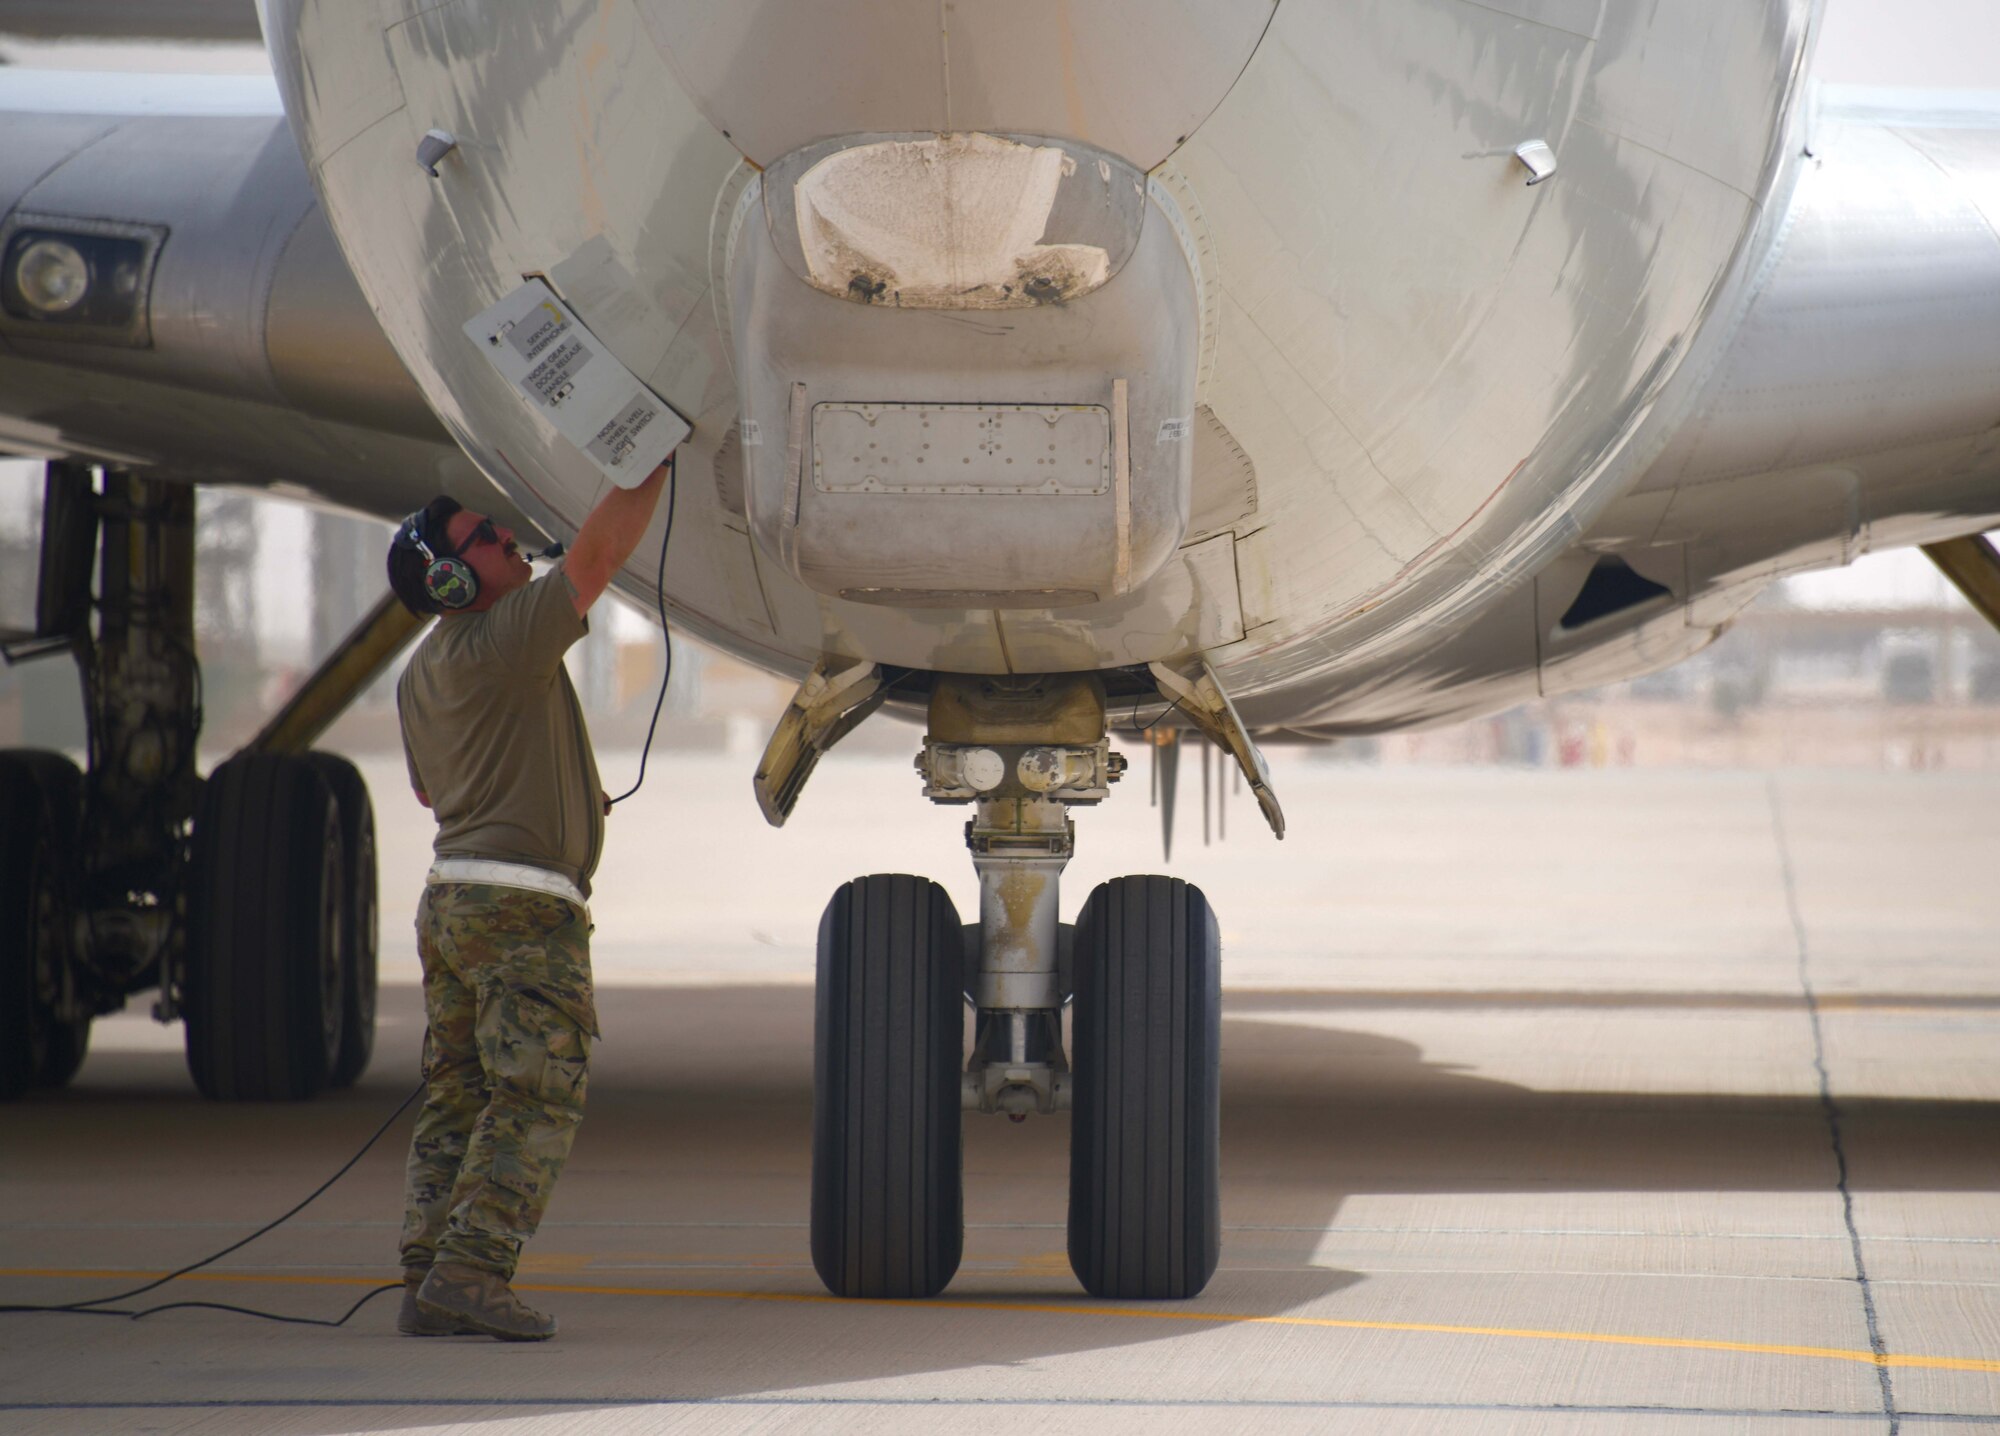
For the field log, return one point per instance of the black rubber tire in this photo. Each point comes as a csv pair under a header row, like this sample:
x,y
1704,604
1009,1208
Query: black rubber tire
x,y
1145,1205
41,806
64,1046
359,968
888,1188
266,918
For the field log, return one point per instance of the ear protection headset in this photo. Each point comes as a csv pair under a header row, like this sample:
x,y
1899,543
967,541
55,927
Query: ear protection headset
x,y
449,581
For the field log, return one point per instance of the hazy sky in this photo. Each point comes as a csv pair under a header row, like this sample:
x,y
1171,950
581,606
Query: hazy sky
x,y
1948,43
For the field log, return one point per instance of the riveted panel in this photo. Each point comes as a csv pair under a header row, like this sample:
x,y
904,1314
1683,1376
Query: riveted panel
x,y
1047,449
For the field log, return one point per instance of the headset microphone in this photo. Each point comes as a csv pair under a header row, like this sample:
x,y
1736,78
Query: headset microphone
x,y
553,551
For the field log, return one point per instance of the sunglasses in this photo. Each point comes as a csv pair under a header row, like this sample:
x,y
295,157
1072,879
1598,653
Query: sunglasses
x,y
482,532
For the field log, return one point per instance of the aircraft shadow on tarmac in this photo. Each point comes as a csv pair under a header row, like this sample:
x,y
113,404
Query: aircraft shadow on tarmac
x,y
700,1113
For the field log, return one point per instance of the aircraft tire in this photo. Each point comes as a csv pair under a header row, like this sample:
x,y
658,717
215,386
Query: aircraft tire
x,y
1145,1211
267,906
888,1189
359,970
64,1046
41,808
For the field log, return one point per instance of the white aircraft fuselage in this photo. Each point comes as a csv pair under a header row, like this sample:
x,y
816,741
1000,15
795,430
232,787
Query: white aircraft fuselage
x,y
1368,383
1303,376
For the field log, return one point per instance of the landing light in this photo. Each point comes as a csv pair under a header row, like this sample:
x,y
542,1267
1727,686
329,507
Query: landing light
x,y
52,276
64,277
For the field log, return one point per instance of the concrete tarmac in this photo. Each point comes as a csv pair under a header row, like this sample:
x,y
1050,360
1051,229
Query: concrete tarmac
x,y
1553,1102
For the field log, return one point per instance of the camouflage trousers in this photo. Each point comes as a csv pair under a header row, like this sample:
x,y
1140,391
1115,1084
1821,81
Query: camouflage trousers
x,y
508,997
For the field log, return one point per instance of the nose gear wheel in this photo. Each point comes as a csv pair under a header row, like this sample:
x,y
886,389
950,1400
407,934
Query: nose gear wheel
x,y
1145,1215
888,1211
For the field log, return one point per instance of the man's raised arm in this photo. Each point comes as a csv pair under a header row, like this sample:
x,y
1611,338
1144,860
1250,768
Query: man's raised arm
x,y
608,537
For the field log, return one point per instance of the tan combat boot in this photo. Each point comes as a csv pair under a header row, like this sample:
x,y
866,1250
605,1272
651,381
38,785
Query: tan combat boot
x,y
480,1301
412,1320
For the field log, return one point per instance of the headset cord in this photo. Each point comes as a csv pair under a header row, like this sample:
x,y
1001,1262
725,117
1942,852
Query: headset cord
x,y
666,638
91,1308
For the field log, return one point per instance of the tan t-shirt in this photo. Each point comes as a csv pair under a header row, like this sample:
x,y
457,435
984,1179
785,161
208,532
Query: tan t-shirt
x,y
495,738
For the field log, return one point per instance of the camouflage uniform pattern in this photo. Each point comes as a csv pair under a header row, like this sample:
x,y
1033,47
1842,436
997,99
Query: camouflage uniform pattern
x,y
511,1014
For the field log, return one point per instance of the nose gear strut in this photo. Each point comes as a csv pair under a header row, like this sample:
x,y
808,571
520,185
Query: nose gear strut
x,y
1139,978
1022,751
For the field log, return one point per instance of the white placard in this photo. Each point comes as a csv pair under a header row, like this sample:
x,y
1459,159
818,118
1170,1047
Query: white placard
x,y
568,377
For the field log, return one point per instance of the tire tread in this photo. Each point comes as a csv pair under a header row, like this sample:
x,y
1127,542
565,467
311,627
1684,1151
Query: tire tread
x,y
38,790
888,1212
359,959
255,1022
1144,1219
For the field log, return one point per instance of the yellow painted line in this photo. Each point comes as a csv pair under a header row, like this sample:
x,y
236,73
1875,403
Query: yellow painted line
x,y
1136,1313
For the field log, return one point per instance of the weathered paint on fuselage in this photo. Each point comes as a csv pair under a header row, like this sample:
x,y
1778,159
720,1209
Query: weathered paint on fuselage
x,y
1438,373
1425,396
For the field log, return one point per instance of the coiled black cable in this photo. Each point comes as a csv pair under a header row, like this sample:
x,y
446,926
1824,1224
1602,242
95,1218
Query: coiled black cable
x,y
96,1306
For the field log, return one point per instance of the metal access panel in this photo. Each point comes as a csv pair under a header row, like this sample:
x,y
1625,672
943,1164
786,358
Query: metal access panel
x,y
1042,449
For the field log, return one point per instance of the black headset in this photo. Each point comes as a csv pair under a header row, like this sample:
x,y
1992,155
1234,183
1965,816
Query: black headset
x,y
449,581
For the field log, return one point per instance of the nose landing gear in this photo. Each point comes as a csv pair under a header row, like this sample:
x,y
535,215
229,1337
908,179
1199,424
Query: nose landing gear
x,y
1142,1076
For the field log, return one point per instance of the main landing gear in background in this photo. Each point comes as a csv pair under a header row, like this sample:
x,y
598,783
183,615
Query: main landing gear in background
x,y
246,899
1139,974
44,1032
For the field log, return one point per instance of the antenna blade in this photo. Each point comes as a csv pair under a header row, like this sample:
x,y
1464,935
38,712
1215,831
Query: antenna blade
x,y
1167,766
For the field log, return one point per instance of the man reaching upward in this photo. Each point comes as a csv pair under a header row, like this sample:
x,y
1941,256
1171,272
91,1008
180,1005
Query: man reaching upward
x,y
497,749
